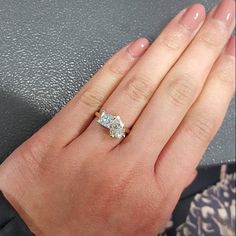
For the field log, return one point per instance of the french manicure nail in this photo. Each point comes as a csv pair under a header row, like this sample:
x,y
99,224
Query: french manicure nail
x,y
225,11
230,48
193,17
138,47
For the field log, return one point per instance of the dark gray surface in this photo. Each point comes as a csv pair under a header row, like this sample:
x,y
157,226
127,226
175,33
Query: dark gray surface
x,y
49,49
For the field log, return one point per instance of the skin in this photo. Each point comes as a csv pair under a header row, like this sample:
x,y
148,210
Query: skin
x,y
72,178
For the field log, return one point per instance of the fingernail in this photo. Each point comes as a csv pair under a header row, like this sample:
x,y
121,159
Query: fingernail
x,y
225,11
230,48
138,47
193,17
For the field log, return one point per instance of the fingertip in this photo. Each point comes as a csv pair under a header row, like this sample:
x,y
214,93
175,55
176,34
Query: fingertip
x,y
138,47
225,12
193,16
201,8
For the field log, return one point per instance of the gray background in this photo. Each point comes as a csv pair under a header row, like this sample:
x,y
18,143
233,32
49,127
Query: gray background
x,y
49,49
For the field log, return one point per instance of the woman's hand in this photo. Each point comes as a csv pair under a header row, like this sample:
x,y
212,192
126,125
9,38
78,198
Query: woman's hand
x,y
72,178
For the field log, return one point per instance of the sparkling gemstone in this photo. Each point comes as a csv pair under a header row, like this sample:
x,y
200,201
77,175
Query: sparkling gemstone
x,y
117,123
117,128
113,123
106,119
117,133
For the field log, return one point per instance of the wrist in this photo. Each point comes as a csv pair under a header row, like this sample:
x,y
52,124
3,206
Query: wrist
x,y
15,182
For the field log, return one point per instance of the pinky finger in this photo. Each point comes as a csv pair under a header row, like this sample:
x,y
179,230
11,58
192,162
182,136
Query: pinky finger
x,y
186,147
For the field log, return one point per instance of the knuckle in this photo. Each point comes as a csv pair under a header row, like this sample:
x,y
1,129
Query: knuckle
x,y
120,63
117,69
226,73
210,37
34,152
138,88
174,40
92,98
182,91
202,127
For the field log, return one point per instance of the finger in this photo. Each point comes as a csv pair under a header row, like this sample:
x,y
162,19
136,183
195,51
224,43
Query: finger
x,y
134,92
185,149
191,178
182,85
77,114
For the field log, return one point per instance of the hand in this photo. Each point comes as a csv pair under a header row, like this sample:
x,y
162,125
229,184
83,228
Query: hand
x,y
72,178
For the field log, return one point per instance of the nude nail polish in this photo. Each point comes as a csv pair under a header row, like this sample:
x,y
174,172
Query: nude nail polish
x,y
193,17
138,47
230,48
225,11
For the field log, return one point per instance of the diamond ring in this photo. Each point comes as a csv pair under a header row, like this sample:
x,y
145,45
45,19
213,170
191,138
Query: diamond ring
x,y
113,123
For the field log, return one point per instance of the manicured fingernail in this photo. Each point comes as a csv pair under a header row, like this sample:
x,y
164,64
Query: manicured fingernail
x,y
225,11
193,17
138,47
230,48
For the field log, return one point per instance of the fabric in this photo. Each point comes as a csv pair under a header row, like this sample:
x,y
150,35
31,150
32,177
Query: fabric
x,y
211,213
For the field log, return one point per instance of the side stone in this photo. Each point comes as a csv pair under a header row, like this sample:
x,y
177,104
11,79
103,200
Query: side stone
x,y
105,119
